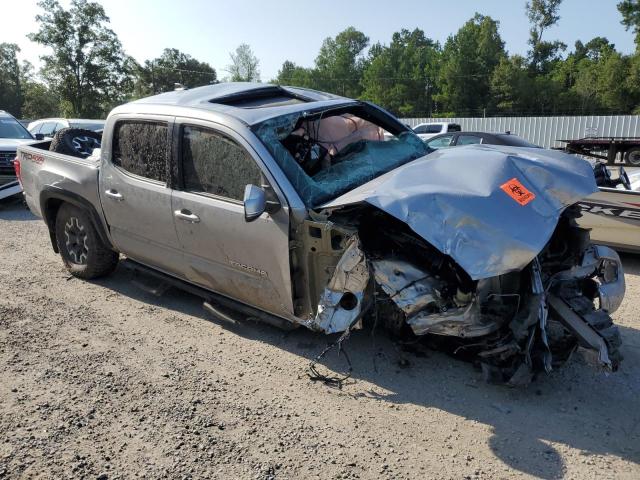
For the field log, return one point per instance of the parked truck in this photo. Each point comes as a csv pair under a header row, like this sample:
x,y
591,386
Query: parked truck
x,y
607,149
301,208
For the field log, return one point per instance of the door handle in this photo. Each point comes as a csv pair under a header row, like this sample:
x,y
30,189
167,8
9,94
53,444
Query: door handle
x,y
111,193
186,216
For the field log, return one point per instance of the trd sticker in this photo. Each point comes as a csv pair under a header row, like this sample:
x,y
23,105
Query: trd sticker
x,y
611,210
517,191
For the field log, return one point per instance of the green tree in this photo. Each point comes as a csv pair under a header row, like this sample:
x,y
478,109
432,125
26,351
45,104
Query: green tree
x,y
86,67
612,72
543,14
601,78
630,10
633,82
469,59
163,73
38,99
245,66
402,77
511,85
341,62
294,75
10,81
593,49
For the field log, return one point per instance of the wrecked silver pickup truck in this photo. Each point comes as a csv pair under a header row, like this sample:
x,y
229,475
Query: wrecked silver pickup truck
x,y
303,208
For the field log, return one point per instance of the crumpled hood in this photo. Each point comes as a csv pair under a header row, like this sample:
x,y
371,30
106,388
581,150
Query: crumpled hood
x,y
491,208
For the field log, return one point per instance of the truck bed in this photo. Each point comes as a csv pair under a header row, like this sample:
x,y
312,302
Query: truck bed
x,y
44,172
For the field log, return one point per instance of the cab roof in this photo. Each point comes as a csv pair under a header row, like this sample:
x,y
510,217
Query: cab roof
x,y
251,103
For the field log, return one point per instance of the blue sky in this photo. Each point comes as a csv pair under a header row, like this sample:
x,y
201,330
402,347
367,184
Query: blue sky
x,y
294,29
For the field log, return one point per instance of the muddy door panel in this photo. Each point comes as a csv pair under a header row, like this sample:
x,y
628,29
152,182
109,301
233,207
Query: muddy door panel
x,y
245,260
135,197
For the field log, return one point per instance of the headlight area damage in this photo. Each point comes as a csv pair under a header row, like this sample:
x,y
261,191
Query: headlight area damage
x,y
436,249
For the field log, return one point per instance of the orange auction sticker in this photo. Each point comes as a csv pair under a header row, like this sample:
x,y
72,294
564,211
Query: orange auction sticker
x,y
517,191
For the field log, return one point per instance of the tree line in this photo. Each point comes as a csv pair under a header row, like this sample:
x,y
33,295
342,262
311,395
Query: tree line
x,y
87,72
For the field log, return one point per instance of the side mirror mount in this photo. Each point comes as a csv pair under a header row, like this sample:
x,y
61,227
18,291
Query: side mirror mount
x,y
39,136
255,202
258,200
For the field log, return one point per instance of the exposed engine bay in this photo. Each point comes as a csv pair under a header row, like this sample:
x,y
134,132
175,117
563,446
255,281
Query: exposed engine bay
x,y
514,325
486,263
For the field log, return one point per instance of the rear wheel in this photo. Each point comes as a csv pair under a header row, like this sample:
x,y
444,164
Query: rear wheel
x,y
633,156
83,252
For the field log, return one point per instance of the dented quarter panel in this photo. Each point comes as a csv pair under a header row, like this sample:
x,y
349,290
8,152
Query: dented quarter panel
x,y
467,215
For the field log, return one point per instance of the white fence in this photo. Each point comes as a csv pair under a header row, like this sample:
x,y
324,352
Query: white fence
x,y
546,131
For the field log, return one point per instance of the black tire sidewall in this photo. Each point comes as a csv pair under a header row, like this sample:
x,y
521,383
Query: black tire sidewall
x,y
636,152
67,211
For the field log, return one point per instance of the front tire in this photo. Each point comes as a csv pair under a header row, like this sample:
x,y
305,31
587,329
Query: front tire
x,y
83,253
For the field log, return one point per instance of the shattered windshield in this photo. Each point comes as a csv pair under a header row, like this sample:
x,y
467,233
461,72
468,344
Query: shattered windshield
x,y
328,153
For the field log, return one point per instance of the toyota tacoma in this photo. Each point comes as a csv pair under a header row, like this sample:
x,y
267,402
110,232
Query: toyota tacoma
x,y
299,207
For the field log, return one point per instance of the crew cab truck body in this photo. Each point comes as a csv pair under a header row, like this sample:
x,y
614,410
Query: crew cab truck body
x,y
302,208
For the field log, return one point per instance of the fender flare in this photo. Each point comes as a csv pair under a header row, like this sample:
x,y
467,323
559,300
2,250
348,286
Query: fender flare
x,y
52,193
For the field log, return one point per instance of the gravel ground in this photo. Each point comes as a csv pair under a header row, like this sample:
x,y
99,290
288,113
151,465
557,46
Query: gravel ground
x,y
102,380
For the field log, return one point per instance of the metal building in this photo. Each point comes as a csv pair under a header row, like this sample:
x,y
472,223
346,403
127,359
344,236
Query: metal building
x,y
545,131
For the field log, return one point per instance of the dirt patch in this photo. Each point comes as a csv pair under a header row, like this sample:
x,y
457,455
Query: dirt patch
x,y
100,379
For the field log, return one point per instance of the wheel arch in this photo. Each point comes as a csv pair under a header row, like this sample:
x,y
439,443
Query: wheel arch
x,y
51,199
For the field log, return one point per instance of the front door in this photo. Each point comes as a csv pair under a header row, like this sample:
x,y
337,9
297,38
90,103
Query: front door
x,y
135,196
247,261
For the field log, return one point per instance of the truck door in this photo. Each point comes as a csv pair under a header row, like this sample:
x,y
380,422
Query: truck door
x,y
247,261
136,199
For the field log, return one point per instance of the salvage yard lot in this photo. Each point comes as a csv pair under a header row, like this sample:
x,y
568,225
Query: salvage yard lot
x,y
103,379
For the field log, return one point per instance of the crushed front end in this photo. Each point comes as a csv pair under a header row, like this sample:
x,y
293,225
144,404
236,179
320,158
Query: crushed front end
x,y
512,325
474,249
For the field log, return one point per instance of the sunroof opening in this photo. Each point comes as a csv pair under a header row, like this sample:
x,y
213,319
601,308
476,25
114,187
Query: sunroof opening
x,y
261,98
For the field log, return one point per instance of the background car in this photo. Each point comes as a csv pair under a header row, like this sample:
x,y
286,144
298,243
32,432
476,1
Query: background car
x,y
469,138
12,134
428,130
613,214
49,126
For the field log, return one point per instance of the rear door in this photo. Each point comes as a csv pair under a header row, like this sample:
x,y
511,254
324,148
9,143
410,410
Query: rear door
x,y
135,194
247,261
